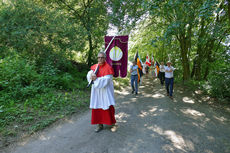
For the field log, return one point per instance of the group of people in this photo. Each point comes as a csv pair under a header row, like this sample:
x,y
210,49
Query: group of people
x,y
165,75
102,92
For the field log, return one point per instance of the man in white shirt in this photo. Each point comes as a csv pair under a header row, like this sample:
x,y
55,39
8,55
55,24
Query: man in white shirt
x,y
169,79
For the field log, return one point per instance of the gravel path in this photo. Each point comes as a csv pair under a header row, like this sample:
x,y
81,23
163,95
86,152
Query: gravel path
x,y
147,123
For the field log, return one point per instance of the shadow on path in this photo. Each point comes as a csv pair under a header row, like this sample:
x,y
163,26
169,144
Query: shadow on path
x,y
147,122
160,124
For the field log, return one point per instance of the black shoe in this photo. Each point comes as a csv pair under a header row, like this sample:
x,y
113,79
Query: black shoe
x,y
99,128
136,93
132,91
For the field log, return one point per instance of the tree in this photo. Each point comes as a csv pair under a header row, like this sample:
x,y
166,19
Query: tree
x,y
38,34
91,15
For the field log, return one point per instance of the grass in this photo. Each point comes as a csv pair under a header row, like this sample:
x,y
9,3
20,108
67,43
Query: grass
x,y
23,118
120,83
38,112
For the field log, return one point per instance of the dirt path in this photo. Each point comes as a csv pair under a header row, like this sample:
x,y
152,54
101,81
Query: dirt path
x,y
149,122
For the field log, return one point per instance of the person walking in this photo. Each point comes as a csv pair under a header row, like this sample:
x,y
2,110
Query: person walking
x,y
169,80
102,94
134,77
162,73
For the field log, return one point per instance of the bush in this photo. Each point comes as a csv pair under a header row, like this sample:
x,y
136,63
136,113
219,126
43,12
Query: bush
x,y
18,78
219,83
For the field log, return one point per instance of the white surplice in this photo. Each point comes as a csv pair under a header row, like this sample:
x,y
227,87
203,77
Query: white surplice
x,y
102,92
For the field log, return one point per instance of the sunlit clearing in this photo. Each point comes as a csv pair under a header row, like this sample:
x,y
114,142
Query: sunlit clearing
x,y
120,117
192,112
188,100
158,95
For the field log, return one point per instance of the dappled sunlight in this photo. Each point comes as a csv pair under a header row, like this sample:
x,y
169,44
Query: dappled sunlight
x,y
24,142
120,117
210,138
176,139
168,148
221,119
143,114
140,87
149,112
69,121
42,137
153,109
180,91
148,95
208,151
156,129
158,95
126,102
188,100
123,92
198,92
163,110
192,112
162,89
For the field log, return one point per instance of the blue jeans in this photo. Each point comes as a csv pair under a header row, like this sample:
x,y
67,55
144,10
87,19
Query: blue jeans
x,y
169,85
134,78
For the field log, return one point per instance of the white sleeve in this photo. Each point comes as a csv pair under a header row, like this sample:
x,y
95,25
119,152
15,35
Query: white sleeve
x,y
173,68
102,82
89,74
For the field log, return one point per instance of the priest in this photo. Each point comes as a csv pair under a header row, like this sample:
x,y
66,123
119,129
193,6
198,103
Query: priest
x,y
102,94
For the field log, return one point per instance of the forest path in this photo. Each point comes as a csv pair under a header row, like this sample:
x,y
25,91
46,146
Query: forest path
x,y
149,122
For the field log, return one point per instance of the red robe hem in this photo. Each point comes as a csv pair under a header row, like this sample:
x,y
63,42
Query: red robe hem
x,y
100,116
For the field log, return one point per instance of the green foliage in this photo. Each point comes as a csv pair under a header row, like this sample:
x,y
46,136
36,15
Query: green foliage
x,y
40,83
219,83
18,78
38,34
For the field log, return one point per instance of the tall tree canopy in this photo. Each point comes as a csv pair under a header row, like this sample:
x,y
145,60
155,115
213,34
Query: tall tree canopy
x,y
194,34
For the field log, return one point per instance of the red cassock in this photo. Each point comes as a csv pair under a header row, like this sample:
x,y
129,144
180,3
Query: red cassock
x,y
100,116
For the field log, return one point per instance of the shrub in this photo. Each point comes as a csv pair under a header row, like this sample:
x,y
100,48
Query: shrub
x,y
219,83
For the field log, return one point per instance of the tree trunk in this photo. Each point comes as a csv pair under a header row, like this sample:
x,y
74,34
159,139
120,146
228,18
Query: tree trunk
x,y
185,62
90,50
198,70
206,72
209,47
193,68
198,60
